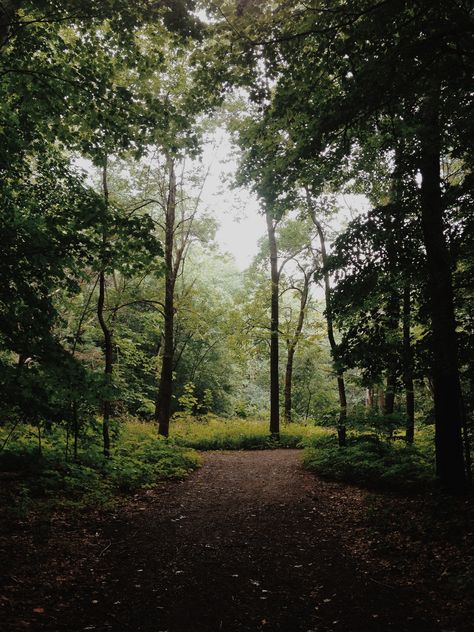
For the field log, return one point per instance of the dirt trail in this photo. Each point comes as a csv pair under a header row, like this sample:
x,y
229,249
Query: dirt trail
x,y
249,542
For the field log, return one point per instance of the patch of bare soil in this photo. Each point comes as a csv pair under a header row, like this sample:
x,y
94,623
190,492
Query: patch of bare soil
x,y
249,542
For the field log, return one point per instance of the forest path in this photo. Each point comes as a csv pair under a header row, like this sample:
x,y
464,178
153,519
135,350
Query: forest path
x,y
249,542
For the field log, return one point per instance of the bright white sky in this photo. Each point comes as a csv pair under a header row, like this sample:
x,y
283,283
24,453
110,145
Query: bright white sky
x,y
241,223
238,211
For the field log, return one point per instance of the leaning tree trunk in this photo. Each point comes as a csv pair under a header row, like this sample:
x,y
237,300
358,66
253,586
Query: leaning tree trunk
x,y
274,372
165,392
341,387
445,370
408,366
108,348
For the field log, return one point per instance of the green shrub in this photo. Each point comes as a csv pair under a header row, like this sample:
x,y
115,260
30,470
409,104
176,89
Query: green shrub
x,y
139,459
373,463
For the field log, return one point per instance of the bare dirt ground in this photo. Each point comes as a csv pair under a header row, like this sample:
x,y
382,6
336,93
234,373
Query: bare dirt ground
x,y
249,542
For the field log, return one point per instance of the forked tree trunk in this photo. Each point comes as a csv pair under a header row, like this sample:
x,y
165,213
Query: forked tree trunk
x,y
274,323
165,392
446,382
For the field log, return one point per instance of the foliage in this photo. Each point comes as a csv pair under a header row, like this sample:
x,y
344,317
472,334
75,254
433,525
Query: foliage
x,y
50,481
236,434
368,461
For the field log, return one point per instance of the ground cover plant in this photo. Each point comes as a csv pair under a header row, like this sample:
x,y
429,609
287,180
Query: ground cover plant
x,y
371,462
52,479
237,434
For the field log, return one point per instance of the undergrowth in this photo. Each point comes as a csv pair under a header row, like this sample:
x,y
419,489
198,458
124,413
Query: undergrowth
x,y
373,462
139,459
48,481
237,434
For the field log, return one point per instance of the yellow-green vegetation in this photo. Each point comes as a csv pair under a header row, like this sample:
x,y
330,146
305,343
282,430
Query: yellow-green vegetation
x,y
370,461
50,478
213,433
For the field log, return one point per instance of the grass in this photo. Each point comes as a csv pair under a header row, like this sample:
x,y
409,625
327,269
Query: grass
x,y
237,434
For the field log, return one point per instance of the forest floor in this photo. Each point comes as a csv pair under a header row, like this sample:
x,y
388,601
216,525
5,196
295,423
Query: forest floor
x,y
249,542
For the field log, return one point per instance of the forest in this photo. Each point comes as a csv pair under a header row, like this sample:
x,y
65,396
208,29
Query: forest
x,y
312,373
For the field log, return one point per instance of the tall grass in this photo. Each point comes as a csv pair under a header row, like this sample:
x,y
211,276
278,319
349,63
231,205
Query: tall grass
x,y
238,434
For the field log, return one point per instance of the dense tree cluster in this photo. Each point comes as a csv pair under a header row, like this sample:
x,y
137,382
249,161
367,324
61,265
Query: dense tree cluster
x,y
113,300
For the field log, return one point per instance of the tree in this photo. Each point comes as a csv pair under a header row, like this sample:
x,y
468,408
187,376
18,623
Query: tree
x,y
338,70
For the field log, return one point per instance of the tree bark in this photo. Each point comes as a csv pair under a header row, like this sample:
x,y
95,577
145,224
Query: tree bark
x,y
369,398
108,348
292,344
165,392
393,319
408,366
446,382
288,383
341,387
274,323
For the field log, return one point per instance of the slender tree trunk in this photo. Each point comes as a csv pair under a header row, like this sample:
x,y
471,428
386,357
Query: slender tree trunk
x,y
446,382
66,449
341,387
165,392
288,383
75,423
380,399
108,350
40,445
274,323
369,398
108,344
393,313
408,366
292,344
390,388
308,404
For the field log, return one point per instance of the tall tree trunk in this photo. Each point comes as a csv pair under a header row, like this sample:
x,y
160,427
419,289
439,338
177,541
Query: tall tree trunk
x,y
75,426
108,348
341,387
393,318
369,398
446,382
274,323
408,366
308,404
292,344
380,399
165,392
289,383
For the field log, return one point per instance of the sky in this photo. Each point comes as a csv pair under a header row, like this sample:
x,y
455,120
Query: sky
x,y
237,210
241,223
